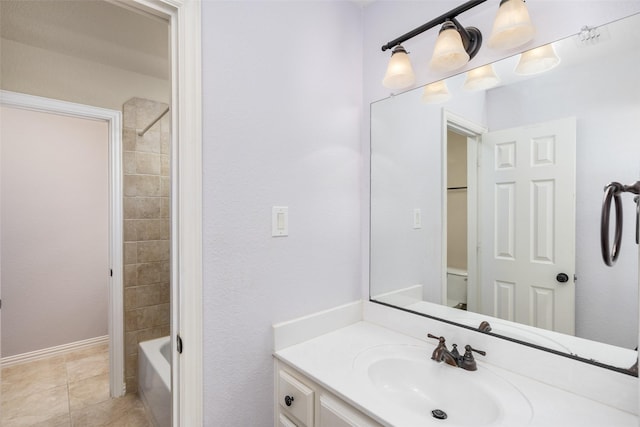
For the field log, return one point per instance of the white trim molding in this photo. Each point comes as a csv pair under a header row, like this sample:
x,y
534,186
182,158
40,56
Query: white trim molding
x,y
188,208
114,121
53,351
184,18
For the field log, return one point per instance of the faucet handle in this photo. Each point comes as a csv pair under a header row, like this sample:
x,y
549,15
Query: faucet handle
x,y
468,362
435,337
469,349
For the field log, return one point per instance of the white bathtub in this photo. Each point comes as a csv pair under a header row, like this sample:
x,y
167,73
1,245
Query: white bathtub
x,y
154,379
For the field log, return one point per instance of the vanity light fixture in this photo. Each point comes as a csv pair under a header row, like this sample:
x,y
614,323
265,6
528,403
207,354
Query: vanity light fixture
x,y
399,72
481,78
457,45
512,26
537,60
436,92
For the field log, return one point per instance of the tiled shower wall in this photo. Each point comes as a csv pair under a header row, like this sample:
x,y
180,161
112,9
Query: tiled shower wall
x,y
146,229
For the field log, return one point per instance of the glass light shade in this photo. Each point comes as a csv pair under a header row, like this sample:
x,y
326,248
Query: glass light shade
x,y
399,73
512,26
448,53
436,92
537,60
481,78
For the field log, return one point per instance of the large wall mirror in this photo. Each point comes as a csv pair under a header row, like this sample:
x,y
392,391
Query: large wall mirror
x,y
486,202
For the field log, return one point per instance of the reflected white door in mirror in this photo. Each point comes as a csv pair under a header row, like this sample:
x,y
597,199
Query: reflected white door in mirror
x,y
528,225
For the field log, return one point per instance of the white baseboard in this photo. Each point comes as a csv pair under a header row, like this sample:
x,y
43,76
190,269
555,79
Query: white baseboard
x,y
53,351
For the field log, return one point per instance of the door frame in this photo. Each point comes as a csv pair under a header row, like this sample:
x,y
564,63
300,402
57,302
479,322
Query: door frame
x,y
114,123
184,18
473,131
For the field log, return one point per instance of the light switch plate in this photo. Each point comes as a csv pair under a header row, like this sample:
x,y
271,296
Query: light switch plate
x,y
280,221
417,218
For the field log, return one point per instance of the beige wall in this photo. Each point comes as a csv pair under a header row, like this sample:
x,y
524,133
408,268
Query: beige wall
x,y
146,229
41,72
456,201
55,229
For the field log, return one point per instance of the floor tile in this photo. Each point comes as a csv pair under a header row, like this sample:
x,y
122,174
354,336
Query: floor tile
x,y
40,366
87,367
88,391
64,391
105,412
35,408
136,417
61,421
28,378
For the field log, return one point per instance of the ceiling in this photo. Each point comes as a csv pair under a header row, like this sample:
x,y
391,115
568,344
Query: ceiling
x,y
96,31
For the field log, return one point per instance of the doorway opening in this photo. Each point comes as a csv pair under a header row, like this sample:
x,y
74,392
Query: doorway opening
x,y
62,248
184,22
460,151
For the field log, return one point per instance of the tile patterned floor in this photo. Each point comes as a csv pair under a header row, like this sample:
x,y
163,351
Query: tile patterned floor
x,y
70,390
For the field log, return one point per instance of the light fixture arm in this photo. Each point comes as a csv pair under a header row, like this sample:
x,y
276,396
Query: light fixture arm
x,y
471,38
449,16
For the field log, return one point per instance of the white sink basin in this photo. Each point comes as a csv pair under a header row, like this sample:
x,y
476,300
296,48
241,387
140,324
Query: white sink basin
x,y
405,376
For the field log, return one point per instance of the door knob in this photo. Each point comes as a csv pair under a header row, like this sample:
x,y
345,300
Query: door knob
x,y
562,278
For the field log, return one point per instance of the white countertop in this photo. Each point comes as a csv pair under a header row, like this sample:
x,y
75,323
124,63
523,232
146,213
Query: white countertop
x,y
329,360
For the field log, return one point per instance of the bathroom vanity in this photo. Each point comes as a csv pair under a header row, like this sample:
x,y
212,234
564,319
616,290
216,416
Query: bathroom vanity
x,y
365,364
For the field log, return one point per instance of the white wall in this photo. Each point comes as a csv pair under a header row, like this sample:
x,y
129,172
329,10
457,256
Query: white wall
x,y
40,72
282,112
607,150
55,242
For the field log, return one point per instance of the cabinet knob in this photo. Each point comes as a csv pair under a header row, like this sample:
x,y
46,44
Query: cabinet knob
x,y
288,400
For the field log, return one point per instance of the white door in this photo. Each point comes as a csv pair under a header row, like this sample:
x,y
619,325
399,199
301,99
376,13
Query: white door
x,y
527,212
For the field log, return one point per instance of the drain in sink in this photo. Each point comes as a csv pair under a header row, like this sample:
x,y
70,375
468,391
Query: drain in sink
x,y
439,414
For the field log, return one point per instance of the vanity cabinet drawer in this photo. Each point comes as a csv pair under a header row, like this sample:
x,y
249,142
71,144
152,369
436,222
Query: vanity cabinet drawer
x,y
334,413
283,421
296,398
310,405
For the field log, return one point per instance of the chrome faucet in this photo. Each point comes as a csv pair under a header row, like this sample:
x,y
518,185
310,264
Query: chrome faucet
x,y
453,357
